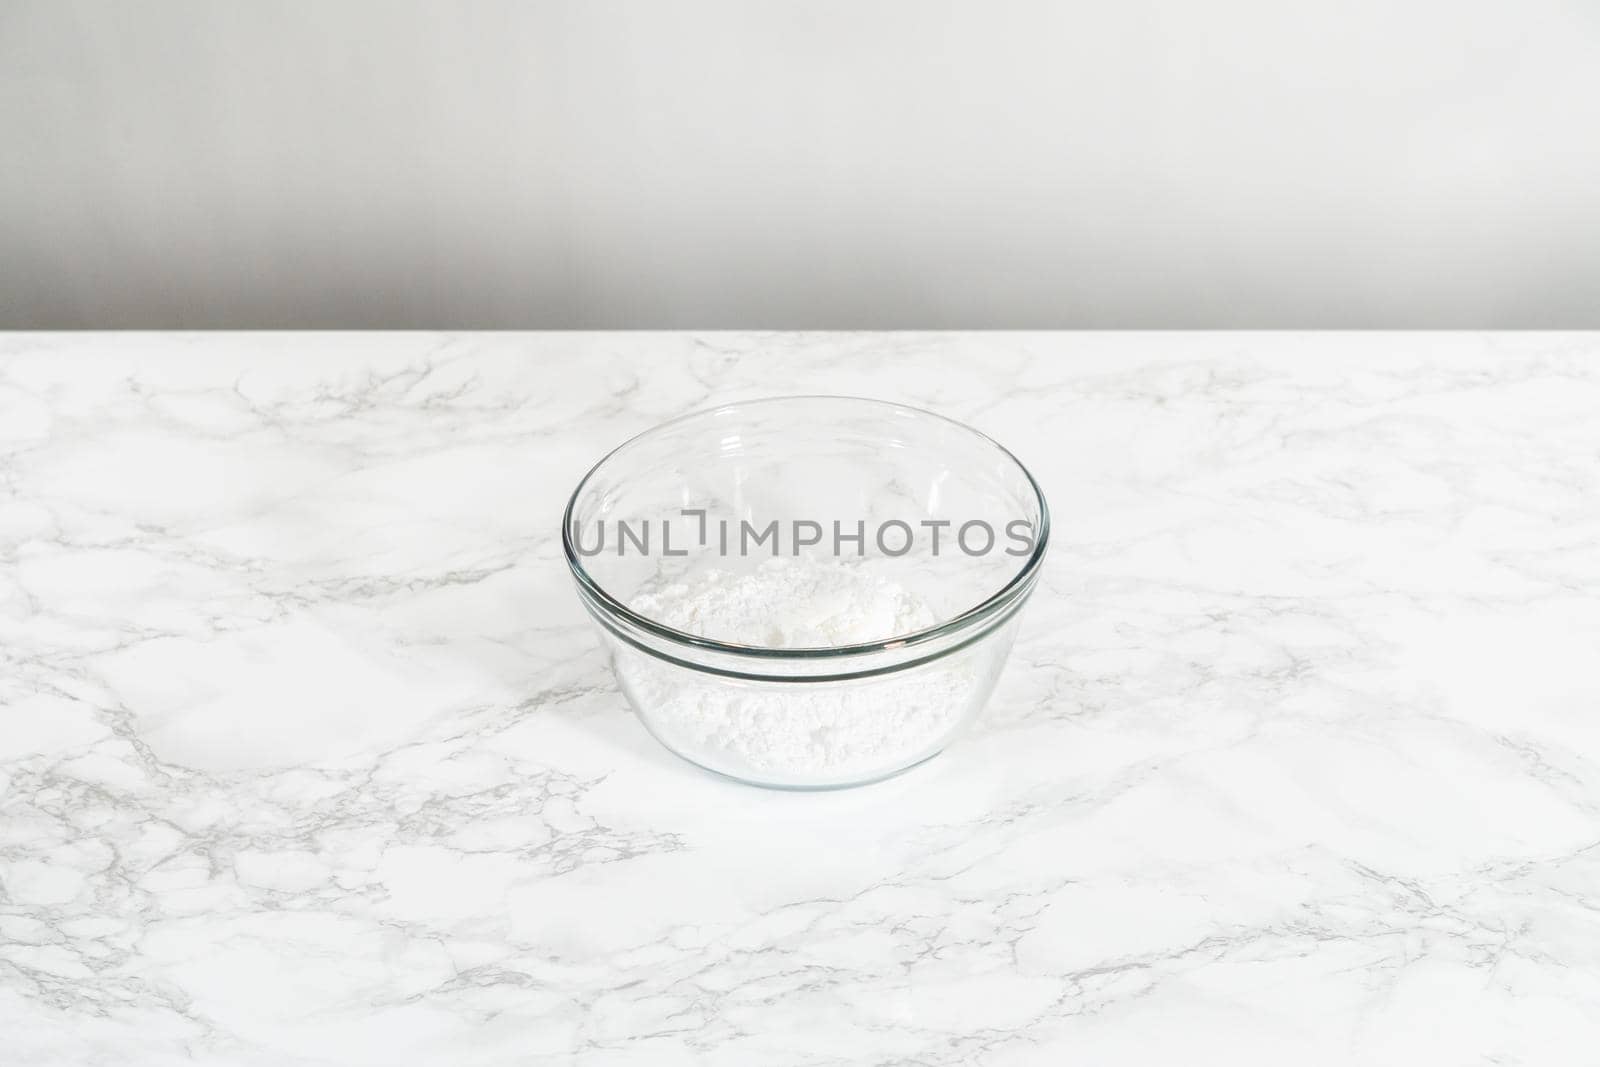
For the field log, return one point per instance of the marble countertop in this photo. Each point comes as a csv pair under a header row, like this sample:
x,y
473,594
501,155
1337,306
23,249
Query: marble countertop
x,y
308,755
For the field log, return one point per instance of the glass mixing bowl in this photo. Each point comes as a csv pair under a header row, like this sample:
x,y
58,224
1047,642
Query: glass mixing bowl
x,y
923,501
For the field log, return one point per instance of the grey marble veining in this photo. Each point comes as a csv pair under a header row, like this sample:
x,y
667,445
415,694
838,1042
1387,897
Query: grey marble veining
x,y
307,754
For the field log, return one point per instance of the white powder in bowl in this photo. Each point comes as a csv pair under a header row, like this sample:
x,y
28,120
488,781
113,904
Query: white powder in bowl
x,y
789,603
796,732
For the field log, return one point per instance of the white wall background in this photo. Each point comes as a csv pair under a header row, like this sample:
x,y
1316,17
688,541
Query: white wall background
x,y
490,163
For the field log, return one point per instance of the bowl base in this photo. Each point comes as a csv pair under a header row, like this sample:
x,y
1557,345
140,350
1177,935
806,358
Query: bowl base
x,y
788,787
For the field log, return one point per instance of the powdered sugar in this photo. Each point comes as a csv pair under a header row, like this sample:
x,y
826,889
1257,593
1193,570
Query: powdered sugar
x,y
806,731
789,603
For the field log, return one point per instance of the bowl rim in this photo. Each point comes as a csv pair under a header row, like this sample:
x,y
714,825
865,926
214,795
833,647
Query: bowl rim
x,y
977,613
